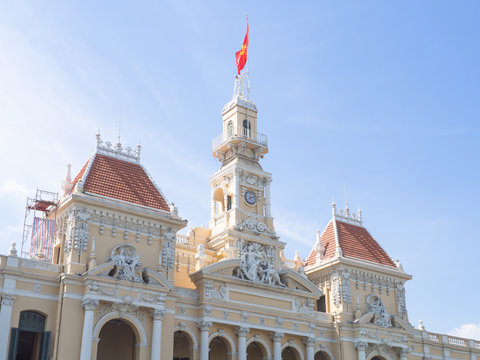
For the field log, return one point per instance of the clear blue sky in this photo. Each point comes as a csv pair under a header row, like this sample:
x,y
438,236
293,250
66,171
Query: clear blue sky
x,y
378,97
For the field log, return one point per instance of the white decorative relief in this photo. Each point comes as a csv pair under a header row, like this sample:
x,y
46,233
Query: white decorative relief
x,y
257,264
380,316
252,223
124,307
346,291
168,251
77,233
340,285
402,305
214,291
126,262
40,265
186,293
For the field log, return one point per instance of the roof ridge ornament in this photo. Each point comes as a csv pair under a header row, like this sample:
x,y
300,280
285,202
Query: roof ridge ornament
x,y
117,151
354,218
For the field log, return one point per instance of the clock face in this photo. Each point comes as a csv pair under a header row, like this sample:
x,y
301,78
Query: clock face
x,y
250,197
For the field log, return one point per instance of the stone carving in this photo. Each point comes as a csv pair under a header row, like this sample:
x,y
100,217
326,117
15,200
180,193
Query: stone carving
x,y
340,284
7,299
335,281
122,308
307,307
378,310
381,349
40,265
168,251
76,234
346,291
126,263
211,291
89,303
257,265
188,293
157,299
254,225
402,306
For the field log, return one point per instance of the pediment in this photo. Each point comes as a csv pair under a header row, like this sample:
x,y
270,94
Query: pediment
x,y
146,276
226,271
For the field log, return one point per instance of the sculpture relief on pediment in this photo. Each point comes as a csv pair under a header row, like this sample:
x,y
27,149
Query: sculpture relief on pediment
x,y
258,264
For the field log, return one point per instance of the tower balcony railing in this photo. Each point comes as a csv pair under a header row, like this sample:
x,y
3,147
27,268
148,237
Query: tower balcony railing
x,y
244,134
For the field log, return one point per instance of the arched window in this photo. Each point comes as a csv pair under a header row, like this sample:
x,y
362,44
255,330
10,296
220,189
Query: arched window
x,y
219,200
30,340
230,129
246,128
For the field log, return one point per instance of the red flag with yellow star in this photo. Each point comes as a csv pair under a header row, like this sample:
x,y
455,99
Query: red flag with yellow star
x,y
241,55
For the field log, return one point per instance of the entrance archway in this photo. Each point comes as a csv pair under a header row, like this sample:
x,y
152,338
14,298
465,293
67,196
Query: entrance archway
x,y
182,346
218,349
289,353
117,341
256,351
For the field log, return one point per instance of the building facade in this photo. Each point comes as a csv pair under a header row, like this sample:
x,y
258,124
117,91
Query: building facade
x,y
118,282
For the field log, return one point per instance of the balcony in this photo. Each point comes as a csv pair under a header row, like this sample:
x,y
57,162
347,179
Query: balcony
x,y
246,135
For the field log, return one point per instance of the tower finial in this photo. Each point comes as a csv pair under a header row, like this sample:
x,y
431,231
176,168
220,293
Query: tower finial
x,y
99,139
347,211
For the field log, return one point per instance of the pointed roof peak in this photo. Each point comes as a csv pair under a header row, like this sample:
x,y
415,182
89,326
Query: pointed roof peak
x,y
116,173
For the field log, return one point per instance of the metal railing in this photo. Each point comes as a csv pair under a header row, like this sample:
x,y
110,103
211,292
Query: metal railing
x,y
247,134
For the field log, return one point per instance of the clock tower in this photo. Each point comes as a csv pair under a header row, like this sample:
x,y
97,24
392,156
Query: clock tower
x,y
240,189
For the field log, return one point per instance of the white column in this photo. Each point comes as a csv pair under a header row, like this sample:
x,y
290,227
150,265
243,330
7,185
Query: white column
x,y
87,335
361,346
242,332
268,211
5,319
309,343
157,316
277,345
204,326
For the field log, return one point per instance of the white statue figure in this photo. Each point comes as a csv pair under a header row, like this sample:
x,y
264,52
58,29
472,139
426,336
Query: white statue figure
x,y
380,315
126,262
256,266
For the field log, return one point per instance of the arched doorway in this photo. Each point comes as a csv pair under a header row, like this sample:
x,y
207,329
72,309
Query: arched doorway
x,y
321,356
30,341
218,349
117,341
256,351
182,346
377,358
289,353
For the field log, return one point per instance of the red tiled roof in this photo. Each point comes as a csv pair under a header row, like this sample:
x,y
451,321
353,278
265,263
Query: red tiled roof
x,y
121,180
355,242
79,175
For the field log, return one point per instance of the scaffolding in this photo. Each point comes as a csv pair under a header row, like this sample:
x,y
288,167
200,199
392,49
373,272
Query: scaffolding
x,y
38,230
